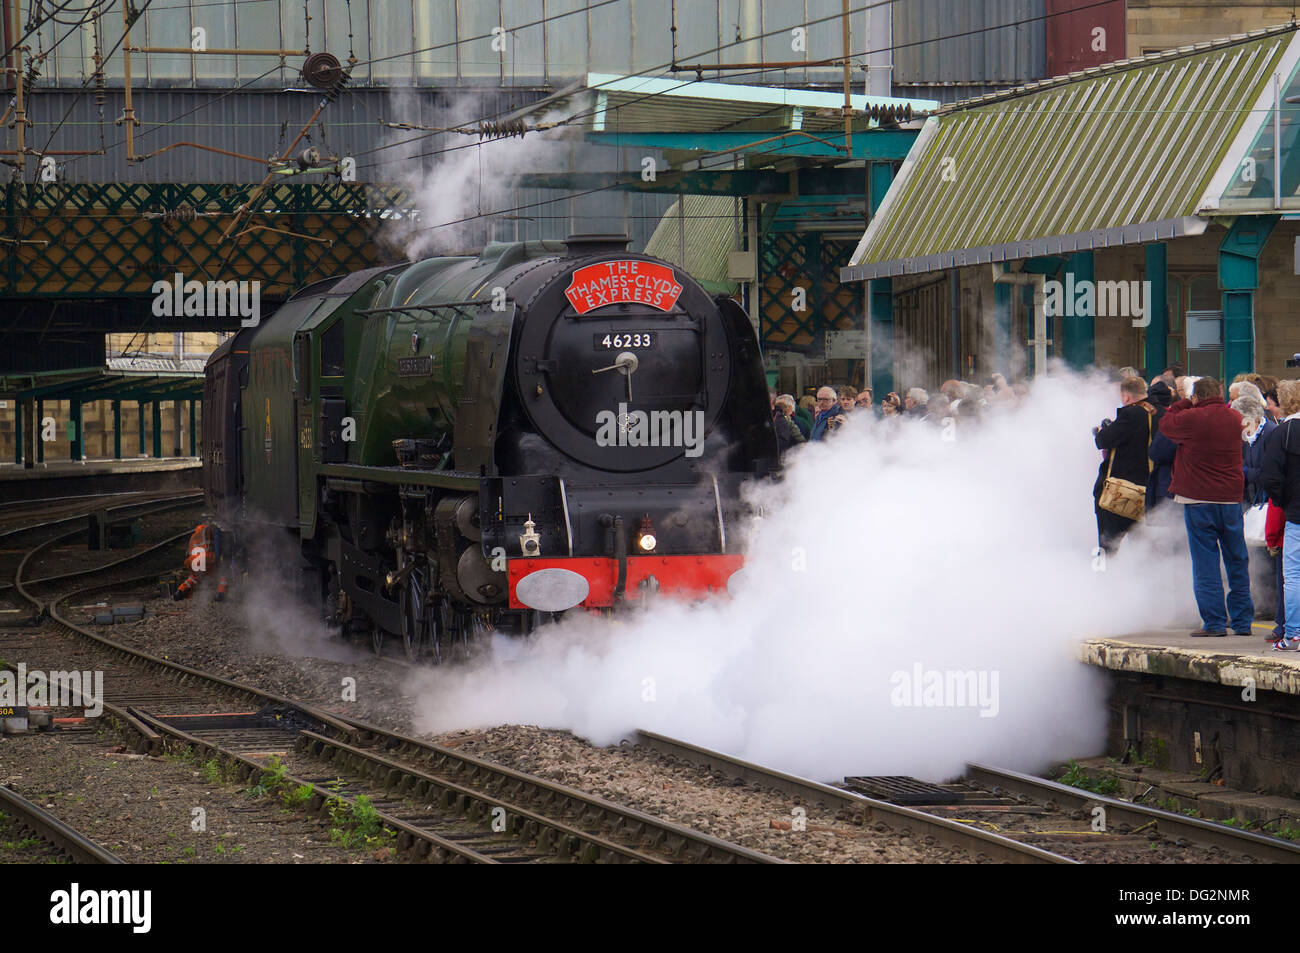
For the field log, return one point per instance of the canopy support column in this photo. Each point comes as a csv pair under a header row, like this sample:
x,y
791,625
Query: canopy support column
x,y
1239,280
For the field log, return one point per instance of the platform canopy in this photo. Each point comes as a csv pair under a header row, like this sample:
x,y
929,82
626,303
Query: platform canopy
x,y
783,147
147,380
1135,151
685,113
756,126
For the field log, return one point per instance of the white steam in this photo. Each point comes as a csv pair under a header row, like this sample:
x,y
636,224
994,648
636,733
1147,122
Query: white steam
x,y
974,555
471,182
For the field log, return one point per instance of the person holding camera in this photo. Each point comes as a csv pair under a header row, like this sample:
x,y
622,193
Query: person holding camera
x,y
1125,441
829,414
788,433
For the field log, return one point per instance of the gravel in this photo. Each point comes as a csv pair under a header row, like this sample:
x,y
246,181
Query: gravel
x,y
142,808
742,813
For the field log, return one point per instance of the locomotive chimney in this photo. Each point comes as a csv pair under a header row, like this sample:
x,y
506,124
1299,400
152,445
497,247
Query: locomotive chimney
x,y
581,246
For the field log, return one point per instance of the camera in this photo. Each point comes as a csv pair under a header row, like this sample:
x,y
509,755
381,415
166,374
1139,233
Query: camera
x,y
1293,360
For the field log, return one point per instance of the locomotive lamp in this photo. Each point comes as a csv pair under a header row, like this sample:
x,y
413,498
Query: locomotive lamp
x,y
645,536
530,542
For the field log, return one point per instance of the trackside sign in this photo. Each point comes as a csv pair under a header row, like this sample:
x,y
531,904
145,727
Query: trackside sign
x,y
625,281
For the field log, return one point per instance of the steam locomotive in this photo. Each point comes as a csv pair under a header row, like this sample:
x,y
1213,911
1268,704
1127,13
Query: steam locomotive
x,y
466,442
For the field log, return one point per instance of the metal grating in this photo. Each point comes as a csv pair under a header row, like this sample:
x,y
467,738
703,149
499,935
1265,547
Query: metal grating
x,y
808,261
900,789
118,238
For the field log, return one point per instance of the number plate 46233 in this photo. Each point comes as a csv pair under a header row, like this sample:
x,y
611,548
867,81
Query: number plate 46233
x,y
623,340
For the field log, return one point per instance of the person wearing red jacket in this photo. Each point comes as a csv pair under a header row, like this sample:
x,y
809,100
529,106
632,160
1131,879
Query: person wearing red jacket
x,y
1207,480
1274,536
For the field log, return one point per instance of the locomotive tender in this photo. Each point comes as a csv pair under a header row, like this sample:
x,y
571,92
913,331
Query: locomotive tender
x,y
461,442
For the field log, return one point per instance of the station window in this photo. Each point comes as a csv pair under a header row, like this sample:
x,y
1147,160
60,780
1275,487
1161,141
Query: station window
x,y
1204,293
331,351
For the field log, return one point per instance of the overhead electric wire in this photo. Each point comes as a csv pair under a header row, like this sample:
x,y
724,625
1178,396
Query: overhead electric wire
x,y
33,27
648,70
489,35
84,11
721,67
85,85
658,69
73,29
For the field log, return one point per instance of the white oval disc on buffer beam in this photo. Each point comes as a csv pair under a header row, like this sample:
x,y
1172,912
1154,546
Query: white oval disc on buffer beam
x,y
736,582
552,590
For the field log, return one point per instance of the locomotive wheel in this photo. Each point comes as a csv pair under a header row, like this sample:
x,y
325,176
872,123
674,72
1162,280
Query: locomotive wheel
x,y
415,616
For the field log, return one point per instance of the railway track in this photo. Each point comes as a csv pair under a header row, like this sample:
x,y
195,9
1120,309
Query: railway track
x,y
13,563
989,792
854,807
1126,818
31,818
436,804
63,512
54,505
441,805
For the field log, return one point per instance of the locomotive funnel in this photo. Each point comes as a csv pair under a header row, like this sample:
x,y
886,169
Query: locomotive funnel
x,y
581,246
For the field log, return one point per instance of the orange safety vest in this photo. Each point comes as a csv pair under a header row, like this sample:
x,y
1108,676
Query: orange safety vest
x,y
200,539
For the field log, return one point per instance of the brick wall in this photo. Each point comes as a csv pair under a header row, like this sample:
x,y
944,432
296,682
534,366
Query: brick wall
x,y
1164,24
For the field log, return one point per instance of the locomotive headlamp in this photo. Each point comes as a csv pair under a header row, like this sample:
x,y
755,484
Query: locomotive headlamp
x,y
530,542
645,536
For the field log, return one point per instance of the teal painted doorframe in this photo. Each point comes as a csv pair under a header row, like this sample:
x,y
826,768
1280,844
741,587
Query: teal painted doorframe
x,y
1238,281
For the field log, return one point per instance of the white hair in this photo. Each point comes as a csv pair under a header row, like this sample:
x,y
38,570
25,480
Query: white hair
x,y
1249,406
1245,389
919,395
1188,384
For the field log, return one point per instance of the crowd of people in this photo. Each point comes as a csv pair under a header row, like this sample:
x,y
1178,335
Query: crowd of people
x,y
815,418
1226,459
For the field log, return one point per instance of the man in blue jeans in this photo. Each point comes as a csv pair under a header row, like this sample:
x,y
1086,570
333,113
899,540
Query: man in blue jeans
x,y
1207,480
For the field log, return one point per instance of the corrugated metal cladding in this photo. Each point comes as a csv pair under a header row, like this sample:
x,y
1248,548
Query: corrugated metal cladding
x,y
1084,33
1121,154
989,42
698,234
450,42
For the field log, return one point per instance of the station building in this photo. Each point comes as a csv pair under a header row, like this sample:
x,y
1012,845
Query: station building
x,y
1136,213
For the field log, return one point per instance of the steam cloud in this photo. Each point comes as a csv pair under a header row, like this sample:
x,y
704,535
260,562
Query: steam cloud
x,y
974,555
468,179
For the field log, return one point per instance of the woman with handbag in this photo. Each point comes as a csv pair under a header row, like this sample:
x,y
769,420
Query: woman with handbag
x,y
1119,495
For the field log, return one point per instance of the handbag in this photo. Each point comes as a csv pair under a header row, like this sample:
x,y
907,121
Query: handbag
x,y
1123,497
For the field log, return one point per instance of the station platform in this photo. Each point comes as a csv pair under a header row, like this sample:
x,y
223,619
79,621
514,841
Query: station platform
x,y
1176,653
69,477
1213,711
